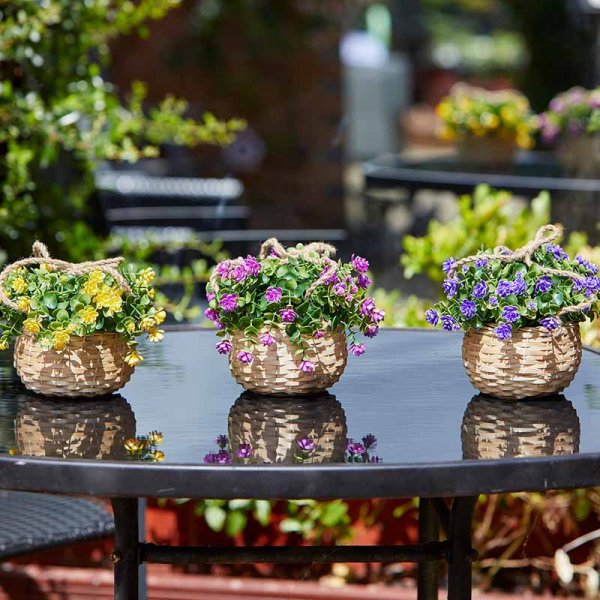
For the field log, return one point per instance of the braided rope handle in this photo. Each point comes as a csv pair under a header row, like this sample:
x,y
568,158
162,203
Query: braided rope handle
x,y
42,256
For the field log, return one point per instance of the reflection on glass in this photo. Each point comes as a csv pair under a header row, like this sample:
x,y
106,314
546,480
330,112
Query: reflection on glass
x,y
145,447
74,428
493,428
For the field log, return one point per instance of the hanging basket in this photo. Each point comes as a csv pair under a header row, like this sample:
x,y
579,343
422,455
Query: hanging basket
x,y
497,429
272,427
276,370
532,363
71,428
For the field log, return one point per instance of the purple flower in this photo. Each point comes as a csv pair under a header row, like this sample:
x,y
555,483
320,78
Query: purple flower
x,y
363,281
503,331
532,305
288,315
239,273
493,300
557,251
222,441
586,264
468,308
210,296
543,285
319,334
518,286
252,265
371,331
511,313
339,288
370,441
273,294
591,284
267,339
307,366
228,302
306,444
211,313
480,290
224,347
465,268
218,458
378,315
328,275
550,323
431,316
375,459
481,262
245,357
367,306
448,264
449,323
358,349
355,448
244,451
450,286
504,288
222,269
360,264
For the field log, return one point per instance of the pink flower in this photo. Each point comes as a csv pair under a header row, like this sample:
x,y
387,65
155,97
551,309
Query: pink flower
x,y
273,294
288,315
339,289
363,281
267,339
222,269
378,315
360,264
367,306
239,273
228,302
358,349
307,366
211,313
245,357
319,334
224,347
252,265
371,331
210,296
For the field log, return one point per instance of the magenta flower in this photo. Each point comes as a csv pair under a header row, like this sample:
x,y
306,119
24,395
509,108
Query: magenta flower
x,y
355,447
358,349
306,444
360,264
245,357
222,269
371,331
210,296
224,347
273,294
228,302
244,451
307,366
339,288
328,275
363,281
319,334
218,458
378,315
267,339
211,313
287,315
252,265
367,306
550,323
239,273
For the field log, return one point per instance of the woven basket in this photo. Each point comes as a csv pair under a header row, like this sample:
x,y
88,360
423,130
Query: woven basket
x,y
93,365
71,428
272,426
275,369
533,363
493,428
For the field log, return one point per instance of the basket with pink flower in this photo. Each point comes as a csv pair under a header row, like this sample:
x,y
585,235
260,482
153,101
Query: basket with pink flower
x,y
286,316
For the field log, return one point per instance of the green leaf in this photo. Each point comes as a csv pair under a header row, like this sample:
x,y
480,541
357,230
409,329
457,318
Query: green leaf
x,y
262,512
215,517
236,521
334,513
62,315
50,300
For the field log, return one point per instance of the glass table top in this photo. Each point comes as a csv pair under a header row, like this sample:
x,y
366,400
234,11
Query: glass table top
x,y
407,400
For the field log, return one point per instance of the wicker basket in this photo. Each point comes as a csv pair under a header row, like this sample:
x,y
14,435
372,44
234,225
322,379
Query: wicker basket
x,y
71,428
93,365
272,426
533,363
275,369
493,428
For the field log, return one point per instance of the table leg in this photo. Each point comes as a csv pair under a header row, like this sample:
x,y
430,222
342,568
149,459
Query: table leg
x,y
429,531
461,553
126,554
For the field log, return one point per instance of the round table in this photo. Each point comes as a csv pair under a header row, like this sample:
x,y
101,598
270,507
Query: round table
x,y
435,438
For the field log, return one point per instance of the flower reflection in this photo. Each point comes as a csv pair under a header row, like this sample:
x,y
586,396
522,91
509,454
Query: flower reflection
x,y
144,447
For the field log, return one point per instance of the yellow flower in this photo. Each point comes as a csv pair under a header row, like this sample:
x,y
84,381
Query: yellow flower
x,y
19,285
88,315
147,323
61,339
92,285
133,445
146,276
130,326
155,335
31,326
151,293
158,455
134,358
160,316
23,304
46,267
155,437
110,299
3,344
524,141
490,120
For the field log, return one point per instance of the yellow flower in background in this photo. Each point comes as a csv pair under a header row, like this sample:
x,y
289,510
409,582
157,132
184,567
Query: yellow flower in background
x,y
155,335
134,358
146,276
160,316
155,437
130,326
46,268
23,304
147,323
3,344
31,326
88,315
19,285
490,120
61,339
151,293
158,455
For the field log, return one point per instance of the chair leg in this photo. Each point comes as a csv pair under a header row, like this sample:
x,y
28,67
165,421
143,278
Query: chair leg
x,y
429,531
461,553
126,554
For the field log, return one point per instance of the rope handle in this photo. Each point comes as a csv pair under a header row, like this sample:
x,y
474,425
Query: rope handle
x,y
40,255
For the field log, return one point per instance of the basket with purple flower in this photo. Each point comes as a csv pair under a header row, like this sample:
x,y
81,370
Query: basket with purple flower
x,y
289,317
521,311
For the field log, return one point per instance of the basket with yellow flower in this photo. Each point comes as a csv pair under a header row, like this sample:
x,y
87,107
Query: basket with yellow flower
x,y
76,325
487,126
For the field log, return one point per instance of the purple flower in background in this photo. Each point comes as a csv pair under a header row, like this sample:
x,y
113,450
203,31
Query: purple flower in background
x,y
370,441
273,294
358,349
367,306
355,448
550,323
578,286
511,313
244,451
228,302
518,286
363,281
432,317
218,458
222,441
360,264
591,284
481,262
306,444
450,286
449,323
532,305
586,264
557,252
252,265
378,315
211,313
448,264
504,288
493,300
543,285
287,315
480,290
468,308
222,269
339,288
319,334
239,273
503,331
245,357
307,366
267,339
224,347
371,331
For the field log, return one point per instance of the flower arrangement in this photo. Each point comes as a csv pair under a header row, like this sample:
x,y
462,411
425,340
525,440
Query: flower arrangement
x,y
472,111
300,294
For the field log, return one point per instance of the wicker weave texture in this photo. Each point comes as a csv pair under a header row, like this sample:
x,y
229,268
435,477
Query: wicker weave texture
x,y
272,426
533,363
93,365
493,428
275,369
74,428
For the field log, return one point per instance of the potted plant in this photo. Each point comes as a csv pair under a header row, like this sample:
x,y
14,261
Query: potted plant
x,y
285,316
572,123
521,311
76,325
487,126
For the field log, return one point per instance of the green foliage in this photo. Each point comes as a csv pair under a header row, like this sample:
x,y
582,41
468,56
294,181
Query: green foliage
x,y
486,220
231,516
401,311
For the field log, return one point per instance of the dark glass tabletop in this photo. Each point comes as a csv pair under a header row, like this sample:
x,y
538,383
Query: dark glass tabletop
x,y
404,419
